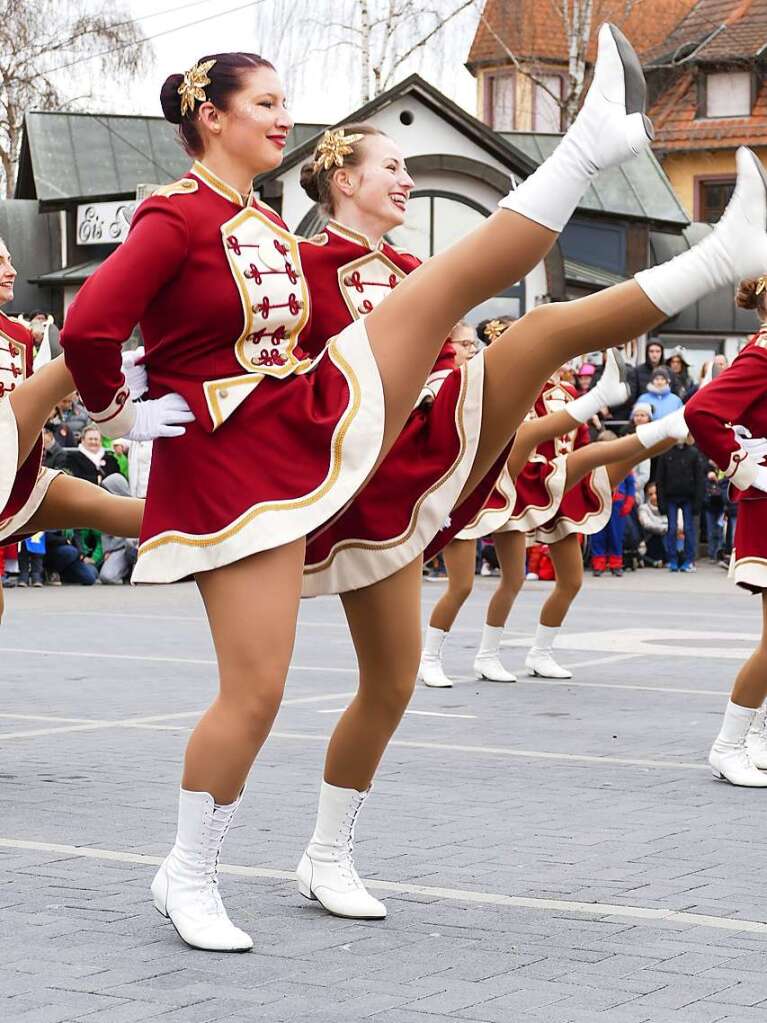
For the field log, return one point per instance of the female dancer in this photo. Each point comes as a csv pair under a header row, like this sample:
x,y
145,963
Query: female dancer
x,y
722,417
220,294
33,498
564,489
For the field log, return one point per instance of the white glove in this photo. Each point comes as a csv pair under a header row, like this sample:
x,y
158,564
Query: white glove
x,y
754,446
135,376
160,418
761,479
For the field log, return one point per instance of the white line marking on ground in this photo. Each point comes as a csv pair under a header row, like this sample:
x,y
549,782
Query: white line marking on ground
x,y
157,660
656,642
448,894
422,713
506,751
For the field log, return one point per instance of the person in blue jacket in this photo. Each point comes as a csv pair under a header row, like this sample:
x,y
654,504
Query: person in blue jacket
x,y
659,394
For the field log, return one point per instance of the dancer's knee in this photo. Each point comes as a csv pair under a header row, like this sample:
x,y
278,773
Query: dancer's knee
x,y
389,696
568,589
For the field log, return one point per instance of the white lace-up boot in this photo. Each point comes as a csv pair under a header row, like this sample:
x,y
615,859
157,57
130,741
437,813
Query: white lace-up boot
x,y
729,757
430,670
487,663
185,888
326,871
610,129
540,660
611,389
756,740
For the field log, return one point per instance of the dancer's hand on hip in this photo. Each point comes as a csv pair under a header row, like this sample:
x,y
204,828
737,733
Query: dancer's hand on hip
x,y
161,417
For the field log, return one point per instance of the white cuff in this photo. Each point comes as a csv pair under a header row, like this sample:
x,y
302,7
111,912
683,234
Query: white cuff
x,y
117,419
742,470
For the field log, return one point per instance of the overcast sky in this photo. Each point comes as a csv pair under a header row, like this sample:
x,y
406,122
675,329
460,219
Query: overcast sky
x,y
231,29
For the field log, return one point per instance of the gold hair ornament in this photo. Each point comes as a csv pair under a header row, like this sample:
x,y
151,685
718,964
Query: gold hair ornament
x,y
193,86
761,284
494,329
335,145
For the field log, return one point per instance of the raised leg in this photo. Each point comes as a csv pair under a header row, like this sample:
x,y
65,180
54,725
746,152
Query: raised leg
x,y
76,504
33,402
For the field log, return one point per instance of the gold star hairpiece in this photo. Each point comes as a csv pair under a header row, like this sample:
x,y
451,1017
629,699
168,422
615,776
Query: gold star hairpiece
x,y
761,284
335,145
193,86
494,329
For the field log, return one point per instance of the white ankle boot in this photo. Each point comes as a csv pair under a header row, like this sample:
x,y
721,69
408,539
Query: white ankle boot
x,y
670,427
185,888
729,757
487,663
610,129
326,871
612,389
735,250
541,663
430,670
756,740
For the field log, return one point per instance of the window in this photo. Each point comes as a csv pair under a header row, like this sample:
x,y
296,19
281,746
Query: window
x,y
502,97
547,114
728,94
712,197
437,219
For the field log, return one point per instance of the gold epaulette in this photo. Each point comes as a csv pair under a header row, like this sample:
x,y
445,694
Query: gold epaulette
x,y
184,186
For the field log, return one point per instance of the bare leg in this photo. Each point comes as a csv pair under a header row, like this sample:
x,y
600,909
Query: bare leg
x,y
619,456
522,359
76,504
568,568
33,402
385,624
460,560
750,689
253,652
510,548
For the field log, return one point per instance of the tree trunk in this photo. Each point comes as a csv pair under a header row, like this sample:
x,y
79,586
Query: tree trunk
x,y
365,49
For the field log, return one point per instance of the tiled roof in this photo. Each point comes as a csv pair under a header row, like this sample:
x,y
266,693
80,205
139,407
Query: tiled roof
x,y
678,128
715,30
528,28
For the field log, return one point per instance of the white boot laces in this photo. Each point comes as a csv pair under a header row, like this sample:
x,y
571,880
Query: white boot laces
x,y
215,834
346,851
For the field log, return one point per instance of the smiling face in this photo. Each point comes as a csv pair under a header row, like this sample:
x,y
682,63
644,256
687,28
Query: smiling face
x,y
253,130
379,186
7,275
91,439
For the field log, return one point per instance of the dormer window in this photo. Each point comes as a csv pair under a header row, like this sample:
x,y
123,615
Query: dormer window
x,y
728,94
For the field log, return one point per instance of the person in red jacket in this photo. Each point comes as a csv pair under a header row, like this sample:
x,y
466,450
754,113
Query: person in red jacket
x,y
281,443
728,419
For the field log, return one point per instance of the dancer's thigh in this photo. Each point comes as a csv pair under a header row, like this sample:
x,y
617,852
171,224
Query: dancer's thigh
x,y
72,503
252,607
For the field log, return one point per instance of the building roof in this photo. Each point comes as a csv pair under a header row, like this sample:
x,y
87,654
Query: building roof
x,y
69,275
715,31
678,127
67,156
530,29
639,189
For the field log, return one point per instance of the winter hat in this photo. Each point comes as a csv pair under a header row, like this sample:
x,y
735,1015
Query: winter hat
x,y
586,370
642,406
680,353
662,371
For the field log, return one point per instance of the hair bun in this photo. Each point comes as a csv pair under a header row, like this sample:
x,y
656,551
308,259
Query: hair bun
x,y
309,183
170,99
747,297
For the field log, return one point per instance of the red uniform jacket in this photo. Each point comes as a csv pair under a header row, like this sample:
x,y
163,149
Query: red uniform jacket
x,y
347,278
736,397
216,285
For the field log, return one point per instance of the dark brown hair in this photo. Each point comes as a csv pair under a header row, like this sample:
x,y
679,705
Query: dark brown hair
x,y
316,181
747,297
225,80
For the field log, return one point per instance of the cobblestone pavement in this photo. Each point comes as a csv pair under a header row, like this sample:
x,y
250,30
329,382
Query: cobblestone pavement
x,y
548,852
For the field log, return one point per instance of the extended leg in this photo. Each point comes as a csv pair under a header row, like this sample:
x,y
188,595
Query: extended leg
x,y
733,757
76,504
384,620
510,548
33,402
567,558
460,560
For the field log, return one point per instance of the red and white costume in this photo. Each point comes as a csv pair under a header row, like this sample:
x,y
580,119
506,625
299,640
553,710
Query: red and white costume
x,y
22,491
405,503
541,507
738,396
280,441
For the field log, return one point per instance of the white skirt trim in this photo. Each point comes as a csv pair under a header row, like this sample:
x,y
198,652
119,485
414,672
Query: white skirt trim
x,y
9,450
751,573
592,522
355,563
16,523
492,520
356,442
533,516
